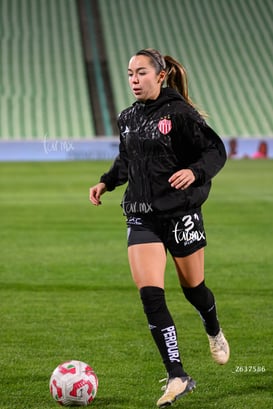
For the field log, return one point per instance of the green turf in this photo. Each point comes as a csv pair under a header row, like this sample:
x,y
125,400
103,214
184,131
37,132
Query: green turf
x,y
66,291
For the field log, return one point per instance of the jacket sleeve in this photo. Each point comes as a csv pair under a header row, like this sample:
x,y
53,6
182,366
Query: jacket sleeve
x,y
198,147
209,152
118,173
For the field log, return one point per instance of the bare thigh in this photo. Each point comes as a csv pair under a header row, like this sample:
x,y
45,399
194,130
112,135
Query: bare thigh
x,y
190,269
147,263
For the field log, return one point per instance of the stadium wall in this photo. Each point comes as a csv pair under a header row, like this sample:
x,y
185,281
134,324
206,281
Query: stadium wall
x,y
103,149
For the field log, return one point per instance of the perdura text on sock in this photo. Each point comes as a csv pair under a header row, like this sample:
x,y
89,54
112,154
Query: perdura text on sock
x,y
171,343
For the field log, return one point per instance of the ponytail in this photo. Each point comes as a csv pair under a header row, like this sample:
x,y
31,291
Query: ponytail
x,y
176,77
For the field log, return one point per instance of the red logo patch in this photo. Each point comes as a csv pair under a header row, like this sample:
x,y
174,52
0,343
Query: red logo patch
x,y
165,126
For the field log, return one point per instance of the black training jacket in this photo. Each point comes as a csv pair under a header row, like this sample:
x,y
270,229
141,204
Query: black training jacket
x,y
158,138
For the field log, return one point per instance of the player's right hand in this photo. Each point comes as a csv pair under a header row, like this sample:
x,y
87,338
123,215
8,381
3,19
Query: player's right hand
x,y
95,193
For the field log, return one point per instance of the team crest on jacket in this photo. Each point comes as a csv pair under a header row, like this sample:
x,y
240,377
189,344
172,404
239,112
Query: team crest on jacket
x,y
165,125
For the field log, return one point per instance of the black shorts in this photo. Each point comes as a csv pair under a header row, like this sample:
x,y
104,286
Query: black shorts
x,y
180,235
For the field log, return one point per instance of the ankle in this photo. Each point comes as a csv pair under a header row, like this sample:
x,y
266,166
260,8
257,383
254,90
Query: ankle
x,y
177,373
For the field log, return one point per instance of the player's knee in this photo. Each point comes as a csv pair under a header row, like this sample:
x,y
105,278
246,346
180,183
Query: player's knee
x,y
200,296
153,299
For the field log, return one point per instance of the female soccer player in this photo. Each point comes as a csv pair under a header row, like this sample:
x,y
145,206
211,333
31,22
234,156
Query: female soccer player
x,y
168,155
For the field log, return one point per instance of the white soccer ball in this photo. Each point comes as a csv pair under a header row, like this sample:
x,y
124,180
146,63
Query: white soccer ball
x,y
73,383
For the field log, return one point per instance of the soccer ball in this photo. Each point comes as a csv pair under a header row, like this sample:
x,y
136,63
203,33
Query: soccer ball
x,y
73,383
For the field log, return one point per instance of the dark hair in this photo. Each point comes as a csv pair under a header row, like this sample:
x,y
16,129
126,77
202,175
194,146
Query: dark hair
x,y
157,59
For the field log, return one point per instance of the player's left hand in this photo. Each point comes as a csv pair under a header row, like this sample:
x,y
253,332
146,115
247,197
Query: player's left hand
x,y
182,179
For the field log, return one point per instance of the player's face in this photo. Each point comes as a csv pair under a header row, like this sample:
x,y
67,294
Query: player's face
x,y
144,82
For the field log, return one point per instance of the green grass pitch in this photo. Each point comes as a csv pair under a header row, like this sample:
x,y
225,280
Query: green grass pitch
x,y
66,291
